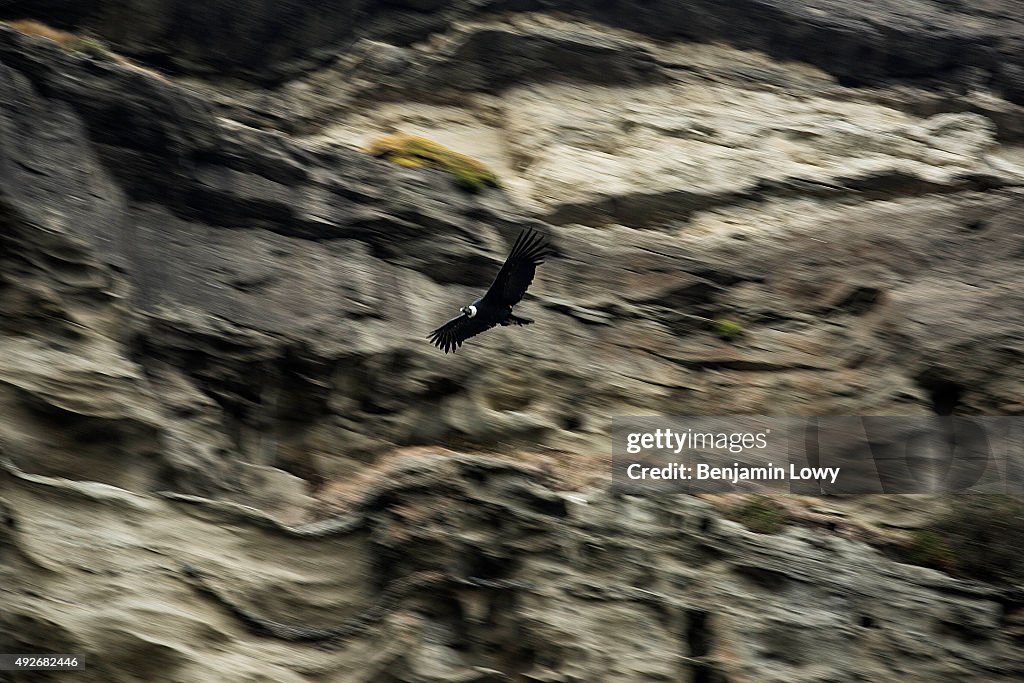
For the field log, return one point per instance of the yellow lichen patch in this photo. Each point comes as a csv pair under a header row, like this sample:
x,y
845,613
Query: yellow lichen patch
x,y
79,44
413,151
30,27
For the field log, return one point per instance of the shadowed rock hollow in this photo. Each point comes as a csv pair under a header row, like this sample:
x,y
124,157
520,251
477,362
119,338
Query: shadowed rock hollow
x,y
206,289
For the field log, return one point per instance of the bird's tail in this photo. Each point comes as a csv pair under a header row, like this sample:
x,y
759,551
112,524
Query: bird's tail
x,y
516,320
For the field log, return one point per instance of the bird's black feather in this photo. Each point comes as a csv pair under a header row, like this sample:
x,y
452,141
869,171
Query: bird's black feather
x,y
507,290
450,336
516,274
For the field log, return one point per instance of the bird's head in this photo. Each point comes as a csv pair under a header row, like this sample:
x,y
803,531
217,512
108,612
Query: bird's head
x,y
468,311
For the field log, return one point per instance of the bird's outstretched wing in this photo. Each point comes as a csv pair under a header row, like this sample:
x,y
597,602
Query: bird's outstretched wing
x,y
517,272
450,336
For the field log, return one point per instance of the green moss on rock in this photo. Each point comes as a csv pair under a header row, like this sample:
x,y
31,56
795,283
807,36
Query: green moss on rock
x,y
928,549
727,329
92,47
980,538
760,514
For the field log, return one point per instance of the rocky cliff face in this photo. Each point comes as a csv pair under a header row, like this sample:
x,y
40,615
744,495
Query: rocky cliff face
x,y
469,569
206,288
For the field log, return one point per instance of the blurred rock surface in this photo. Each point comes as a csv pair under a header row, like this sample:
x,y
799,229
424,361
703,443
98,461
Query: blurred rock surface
x,y
200,284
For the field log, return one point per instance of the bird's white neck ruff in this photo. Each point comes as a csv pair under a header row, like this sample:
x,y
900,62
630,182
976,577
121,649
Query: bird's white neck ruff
x,y
469,310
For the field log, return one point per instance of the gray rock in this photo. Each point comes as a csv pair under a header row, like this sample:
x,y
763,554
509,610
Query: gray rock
x,y
952,45
228,313
611,590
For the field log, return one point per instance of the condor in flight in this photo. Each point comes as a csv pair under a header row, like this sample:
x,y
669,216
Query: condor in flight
x,y
495,307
